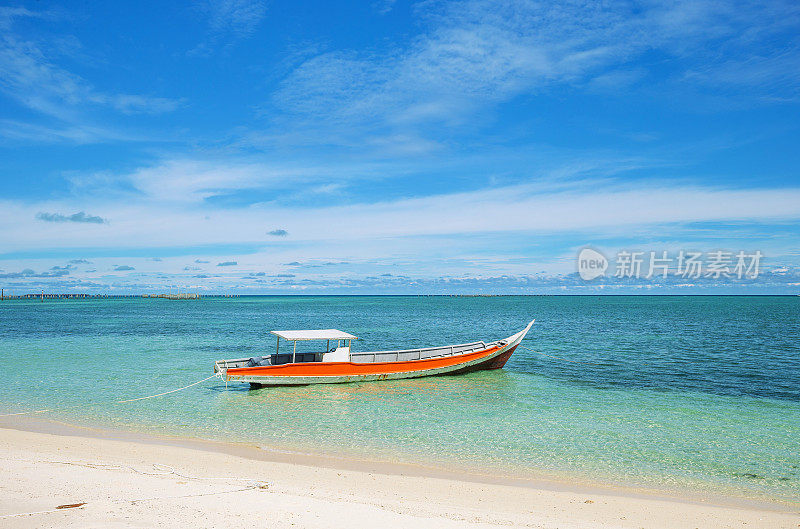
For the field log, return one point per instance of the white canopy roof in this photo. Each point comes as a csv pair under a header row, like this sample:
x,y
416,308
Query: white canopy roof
x,y
318,334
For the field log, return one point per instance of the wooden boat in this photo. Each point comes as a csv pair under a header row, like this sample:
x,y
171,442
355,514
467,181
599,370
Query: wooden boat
x,y
341,364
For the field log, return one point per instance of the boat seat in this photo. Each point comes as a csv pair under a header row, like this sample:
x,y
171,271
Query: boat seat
x,y
306,357
259,361
286,358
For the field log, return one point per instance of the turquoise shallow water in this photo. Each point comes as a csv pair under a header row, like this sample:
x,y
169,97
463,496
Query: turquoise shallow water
x,y
675,392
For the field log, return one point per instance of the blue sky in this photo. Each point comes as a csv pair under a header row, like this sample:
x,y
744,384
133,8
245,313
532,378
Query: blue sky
x,y
393,147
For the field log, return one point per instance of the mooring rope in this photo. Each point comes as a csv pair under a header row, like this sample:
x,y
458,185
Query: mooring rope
x,y
110,402
559,357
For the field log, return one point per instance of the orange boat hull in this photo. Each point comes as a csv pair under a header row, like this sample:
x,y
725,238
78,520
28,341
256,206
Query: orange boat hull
x,y
494,356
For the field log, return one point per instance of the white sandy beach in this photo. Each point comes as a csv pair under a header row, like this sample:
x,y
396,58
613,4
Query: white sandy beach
x,y
121,488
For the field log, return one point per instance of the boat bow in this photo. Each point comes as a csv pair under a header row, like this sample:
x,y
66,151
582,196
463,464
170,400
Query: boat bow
x,y
517,338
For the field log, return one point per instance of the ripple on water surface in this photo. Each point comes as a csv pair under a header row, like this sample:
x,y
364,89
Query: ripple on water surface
x,y
671,392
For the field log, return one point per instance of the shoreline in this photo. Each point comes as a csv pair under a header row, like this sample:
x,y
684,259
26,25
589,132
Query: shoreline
x,y
418,470
142,483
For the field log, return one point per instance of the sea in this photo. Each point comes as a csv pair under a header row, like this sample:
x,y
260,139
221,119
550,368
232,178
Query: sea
x,y
666,393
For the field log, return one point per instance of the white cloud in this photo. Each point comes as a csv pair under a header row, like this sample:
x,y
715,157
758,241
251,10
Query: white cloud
x,y
191,181
79,133
779,73
32,78
383,6
239,17
473,55
34,81
228,21
522,208
187,180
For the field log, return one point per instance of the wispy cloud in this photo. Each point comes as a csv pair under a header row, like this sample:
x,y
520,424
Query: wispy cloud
x,y
474,55
586,205
239,17
8,14
229,21
28,273
383,6
34,80
78,133
197,180
774,76
516,284
123,268
81,217
426,154
439,272
187,180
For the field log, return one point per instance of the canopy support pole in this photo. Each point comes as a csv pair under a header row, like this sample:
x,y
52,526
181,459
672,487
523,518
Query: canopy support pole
x,y
294,351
